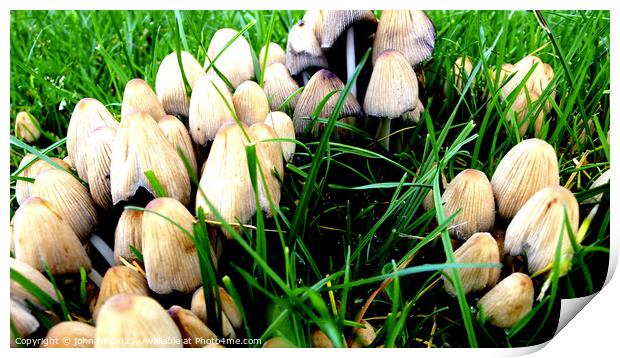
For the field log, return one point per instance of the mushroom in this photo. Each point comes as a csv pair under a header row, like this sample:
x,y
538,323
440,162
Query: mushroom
x,y
481,248
139,96
23,188
195,333
88,115
209,109
538,225
225,180
320,85
140,145
392,92
275,54
23,321
99,158
127,321
170,256
363,337
353,27
320,340
508,302
117,280
600,181
528,167
70,199
128,232
179,137
282,124
169,83
303,52
231,316
279,86
409,32
69,334
42,236
27,128
471,195
22,294
251,104
235,62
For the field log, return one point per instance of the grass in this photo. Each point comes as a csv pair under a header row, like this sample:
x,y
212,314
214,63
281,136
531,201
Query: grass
x,y
351,217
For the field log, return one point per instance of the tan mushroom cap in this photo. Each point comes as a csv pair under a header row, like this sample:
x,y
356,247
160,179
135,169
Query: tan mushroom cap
x,y
335,22
303,50
235,63
169,83
209,109
139,96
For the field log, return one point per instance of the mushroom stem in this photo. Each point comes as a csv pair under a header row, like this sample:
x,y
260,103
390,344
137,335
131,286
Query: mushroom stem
x,y
383,132
95,277
351,58
305,77
103,248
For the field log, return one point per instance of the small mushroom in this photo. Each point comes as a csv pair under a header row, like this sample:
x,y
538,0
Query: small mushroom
x,y
27,128
528,167
284,128
251,104
600,181
22,294
193,330
536,229
279,86
480,248
128,232
275,54
199,308
117,280
23,321
270,159
70,334
42,236
139,96
208,109
409,32
88,115
509,301
23,188
169,83
180,139
127,321
320,85
140,145
170,256
235,62
394,76
303,52
99,159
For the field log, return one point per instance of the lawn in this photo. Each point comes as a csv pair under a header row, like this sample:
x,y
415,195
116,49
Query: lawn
x,y
351,238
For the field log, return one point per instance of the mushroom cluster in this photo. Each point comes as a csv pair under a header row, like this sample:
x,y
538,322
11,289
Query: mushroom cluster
x,y
525,192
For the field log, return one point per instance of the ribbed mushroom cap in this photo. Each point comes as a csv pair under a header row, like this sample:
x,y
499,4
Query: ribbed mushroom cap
x,y
320,85
600,181
128,232
42,235
195,333
303,51
139,96
314,20
279,85
393,87
88,115
528,167
503,73
169,83
70,334
27,127
536,83
117,280
537,227
363,337
509,301
23,189
199,308
275,54
471,193
20,293
127,321
462,70
415,114
99,159
25,323
270,159
251,104
140,145
229,307
320,340
479,248
70,198
226,180
207,109
334,23
409,32
282,124
235,63
179,137
170,257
